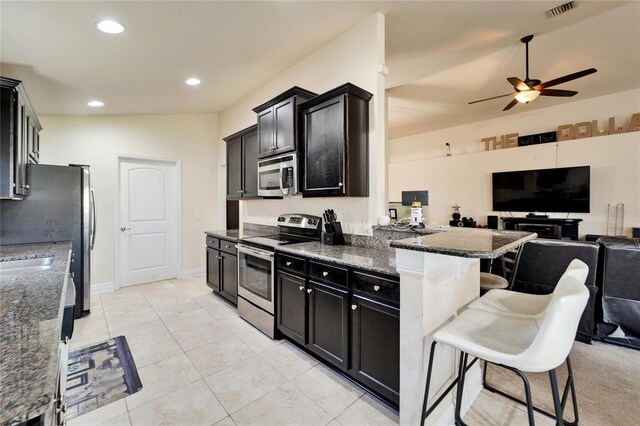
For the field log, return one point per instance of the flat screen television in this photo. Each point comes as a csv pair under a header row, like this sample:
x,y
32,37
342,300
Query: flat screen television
x,y
560,190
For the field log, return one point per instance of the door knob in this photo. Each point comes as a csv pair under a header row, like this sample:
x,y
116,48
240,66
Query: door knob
x,y
376,287
325,273
288,263
124,228
309,290
354,307
301,287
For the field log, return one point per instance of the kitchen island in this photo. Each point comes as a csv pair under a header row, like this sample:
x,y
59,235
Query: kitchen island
x,y
439,277
31,312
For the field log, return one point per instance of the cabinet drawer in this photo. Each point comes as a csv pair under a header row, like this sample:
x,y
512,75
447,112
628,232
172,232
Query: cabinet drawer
x,y
377,287
213,243
332,274
228,246
291,264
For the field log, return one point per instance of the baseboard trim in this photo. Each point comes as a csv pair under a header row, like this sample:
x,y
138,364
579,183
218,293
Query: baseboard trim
x,y
103,287
196,272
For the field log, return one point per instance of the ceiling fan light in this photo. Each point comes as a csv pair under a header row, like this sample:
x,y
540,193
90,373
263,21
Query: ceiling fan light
x,y
527,96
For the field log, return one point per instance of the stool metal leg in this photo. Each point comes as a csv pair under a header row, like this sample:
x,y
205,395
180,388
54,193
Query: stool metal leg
x,y
570,385
461,375
556,398
426,388
527,393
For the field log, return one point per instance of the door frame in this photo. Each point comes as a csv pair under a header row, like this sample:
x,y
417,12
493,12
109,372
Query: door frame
x,y
120,158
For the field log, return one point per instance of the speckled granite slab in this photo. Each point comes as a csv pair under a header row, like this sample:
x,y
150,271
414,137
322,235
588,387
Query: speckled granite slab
x,y
31,306
477,243
371,259
233,234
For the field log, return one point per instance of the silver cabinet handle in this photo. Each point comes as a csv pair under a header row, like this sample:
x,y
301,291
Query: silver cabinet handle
x,y
226,246
309,290
238,192
301,288
26,186
339,183
354,307
325,273
288,263
376,287
124,228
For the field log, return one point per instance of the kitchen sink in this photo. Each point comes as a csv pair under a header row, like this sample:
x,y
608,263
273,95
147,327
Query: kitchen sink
x,y
11,267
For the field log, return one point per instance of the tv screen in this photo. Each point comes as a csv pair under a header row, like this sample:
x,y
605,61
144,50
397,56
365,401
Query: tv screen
x,y
560,190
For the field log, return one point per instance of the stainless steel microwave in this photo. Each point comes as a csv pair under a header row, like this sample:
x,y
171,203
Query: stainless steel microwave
x,y
278,176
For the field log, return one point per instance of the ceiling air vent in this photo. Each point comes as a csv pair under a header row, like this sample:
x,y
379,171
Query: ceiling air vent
x,y
560,9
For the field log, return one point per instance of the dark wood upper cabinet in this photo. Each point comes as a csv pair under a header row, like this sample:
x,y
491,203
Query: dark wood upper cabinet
x,y
19,138
336,143
242,164
278,123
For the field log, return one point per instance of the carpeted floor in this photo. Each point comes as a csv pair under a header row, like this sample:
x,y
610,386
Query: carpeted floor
x,y
607,381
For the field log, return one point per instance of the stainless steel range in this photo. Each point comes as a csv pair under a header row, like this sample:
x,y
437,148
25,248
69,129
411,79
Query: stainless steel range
x,y
256,267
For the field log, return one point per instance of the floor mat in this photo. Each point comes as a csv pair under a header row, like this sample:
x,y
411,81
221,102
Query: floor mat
x,y
100,374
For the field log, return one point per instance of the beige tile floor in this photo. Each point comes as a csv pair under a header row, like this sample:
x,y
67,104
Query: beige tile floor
x,y
201,364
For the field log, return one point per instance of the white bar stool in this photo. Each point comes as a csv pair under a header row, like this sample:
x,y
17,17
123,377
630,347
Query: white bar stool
x,y
523,335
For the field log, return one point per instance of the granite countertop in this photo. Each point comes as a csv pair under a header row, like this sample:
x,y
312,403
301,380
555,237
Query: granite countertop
x,y
31,307
233,234
371,259
477,243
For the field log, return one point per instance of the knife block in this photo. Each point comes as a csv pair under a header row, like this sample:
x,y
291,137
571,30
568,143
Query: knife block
x,y
334,238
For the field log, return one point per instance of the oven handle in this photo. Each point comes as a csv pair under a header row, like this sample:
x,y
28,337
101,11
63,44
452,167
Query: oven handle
x,y
262,254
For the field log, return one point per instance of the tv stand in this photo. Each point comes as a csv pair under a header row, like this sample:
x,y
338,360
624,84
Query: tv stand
x,y
552,228
534,215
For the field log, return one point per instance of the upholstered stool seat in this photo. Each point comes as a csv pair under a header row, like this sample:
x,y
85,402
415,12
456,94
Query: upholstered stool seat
x,y
520,332
491,281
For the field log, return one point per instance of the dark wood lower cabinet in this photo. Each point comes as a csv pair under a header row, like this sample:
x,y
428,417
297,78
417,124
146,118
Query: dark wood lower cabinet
x,y
351,321
222,268
329,323
229,276
291,308
213,269
375,346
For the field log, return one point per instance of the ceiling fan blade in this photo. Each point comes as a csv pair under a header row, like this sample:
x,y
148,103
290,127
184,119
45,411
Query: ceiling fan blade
x,y
564,79
488,99
556,92
517,83
510,105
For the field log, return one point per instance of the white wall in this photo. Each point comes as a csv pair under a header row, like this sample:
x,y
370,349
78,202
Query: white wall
x,y
352,57
95,140
465,178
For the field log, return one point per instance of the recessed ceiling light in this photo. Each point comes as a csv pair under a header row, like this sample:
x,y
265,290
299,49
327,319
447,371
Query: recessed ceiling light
x,y
109,26
193,82
95,103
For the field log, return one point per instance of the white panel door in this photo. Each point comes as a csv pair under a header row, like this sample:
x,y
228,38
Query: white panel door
x,y
148,222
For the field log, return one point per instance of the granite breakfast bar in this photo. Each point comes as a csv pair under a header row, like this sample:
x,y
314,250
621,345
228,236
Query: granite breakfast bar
x,y
439,276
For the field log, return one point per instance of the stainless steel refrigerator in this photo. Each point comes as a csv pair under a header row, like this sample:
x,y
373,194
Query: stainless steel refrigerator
x,y
60,207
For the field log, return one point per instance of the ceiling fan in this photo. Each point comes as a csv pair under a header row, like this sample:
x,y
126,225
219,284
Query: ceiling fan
x,y
529,89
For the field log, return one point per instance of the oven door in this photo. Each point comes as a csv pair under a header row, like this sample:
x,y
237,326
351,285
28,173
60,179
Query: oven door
x,y
256,277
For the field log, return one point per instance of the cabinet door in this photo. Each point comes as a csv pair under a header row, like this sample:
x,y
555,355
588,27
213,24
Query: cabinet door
x,y
234,168
20,151
284,116
229,276
376,346
7,140
329,323
250,165
213,269
324,158
266,133
291,306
